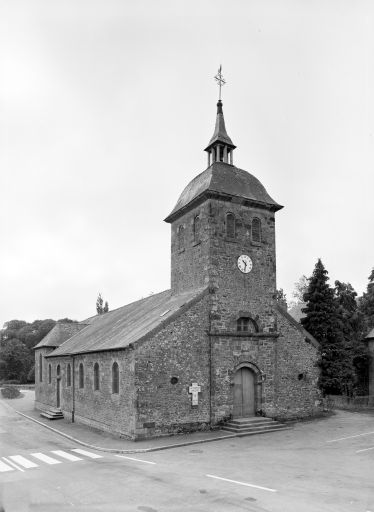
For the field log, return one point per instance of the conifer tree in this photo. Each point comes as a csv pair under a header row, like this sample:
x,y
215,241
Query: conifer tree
x,y
324,322
106,307
99,304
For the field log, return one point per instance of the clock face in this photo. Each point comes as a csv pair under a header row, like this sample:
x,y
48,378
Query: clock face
x,y
245,264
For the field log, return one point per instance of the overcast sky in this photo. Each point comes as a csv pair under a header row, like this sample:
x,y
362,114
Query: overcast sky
x,y
107,106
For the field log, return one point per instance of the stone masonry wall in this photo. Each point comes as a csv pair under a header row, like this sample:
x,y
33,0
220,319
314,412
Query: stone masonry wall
x,y
180,351
101,408
296,375
232,352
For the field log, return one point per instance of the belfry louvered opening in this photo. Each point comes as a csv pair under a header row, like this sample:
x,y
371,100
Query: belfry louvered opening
x,y
256,230
230,225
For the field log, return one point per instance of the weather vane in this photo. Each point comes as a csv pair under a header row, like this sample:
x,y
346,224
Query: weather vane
x,y
220,80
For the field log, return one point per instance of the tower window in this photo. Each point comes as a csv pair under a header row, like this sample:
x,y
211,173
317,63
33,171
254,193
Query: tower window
x,y
68,375
96,377
115,378
245,325
181,237
256,230
40,368
49,374
230,225
81,376
196,229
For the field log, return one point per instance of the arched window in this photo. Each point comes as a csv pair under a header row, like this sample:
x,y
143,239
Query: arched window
x,y
40,368
196,229
115,378
230,225
49,374
245,325
81,376
96,377
58,370
181,237
256,230
68,375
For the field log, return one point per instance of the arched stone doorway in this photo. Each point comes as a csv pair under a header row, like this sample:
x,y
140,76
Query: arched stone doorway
x,y
246,386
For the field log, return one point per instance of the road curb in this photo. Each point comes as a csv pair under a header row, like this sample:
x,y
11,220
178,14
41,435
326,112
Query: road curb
x,y
115,450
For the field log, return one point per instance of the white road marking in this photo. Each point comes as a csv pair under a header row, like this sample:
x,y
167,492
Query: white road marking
x,y
89,454
137,460
365,450
242,483
350,437
4,467
65,455
22,461
14,465
45,458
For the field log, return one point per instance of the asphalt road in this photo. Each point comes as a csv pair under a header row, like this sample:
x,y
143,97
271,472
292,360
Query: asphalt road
x,y
317,466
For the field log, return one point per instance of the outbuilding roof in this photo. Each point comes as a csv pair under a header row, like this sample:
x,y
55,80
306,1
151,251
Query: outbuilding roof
x,y
124,326
227,180
370,336
59,334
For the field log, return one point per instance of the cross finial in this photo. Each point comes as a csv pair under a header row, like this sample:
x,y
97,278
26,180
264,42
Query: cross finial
x,y
220,80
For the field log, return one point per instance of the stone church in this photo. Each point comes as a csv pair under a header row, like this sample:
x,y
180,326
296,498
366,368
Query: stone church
x,y
216,346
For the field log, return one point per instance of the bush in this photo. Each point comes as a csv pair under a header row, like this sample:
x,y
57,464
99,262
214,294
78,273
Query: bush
x,y
14,381
10,392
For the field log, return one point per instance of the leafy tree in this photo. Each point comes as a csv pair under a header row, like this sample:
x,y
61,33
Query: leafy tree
x,y
323,320
15,360
353,324
366,304
281,298
31,374
298,294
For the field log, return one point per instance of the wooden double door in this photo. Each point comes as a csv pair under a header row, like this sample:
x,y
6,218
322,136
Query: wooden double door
x,y
244,393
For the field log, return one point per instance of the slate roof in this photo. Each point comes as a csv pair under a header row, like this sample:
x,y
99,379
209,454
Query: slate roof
x,y
220,133
223,179
59,334
296,312
121,327
298,326
370,336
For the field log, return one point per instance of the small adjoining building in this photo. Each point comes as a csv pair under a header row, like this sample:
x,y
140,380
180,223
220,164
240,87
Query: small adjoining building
x,y
216,346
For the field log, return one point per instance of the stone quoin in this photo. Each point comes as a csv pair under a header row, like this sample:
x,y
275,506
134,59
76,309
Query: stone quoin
x,y
216,346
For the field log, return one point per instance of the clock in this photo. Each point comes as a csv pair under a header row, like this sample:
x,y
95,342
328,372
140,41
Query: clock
x,y
245,264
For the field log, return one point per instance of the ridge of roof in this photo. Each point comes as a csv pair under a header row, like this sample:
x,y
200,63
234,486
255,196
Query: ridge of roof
x,y
133,323
298,326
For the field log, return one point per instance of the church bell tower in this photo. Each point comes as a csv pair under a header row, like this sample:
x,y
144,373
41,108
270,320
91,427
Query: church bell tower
x,y
223,237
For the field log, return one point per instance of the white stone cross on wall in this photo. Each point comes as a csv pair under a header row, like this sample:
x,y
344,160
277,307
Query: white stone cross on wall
x,y
195,390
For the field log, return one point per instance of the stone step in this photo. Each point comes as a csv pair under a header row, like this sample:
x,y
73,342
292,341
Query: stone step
x,y
257,431
52,414
250,423
258,428
251,419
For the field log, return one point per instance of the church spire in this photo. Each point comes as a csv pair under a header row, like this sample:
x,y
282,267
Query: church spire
x,y
220,147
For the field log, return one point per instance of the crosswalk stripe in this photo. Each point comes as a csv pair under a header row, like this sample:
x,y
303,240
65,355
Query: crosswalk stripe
x,y
45,458
22,461
89,454
4,467
14,465
65,455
